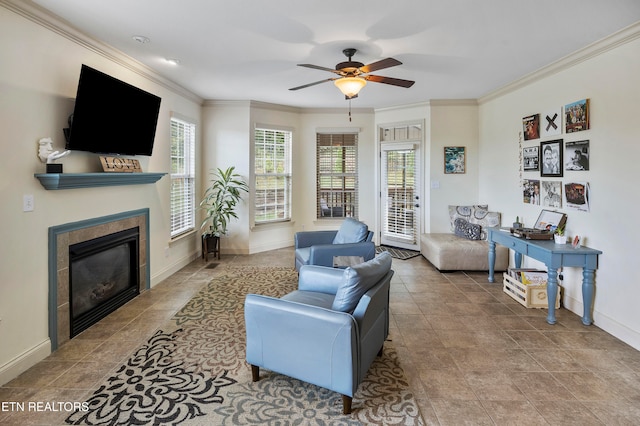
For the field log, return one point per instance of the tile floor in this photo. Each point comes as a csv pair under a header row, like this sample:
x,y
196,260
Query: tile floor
x,y
472,354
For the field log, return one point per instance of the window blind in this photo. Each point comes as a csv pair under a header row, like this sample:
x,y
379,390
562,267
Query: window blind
x,y
272,171
337,175
182,177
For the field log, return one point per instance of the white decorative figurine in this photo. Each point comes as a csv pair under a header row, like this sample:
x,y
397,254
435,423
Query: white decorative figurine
x,y
46,152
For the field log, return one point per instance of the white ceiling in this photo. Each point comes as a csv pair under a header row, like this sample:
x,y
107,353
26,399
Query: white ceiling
x,y
248,49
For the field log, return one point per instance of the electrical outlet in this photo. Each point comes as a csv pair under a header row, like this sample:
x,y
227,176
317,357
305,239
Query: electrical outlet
x,y
27,203
166,252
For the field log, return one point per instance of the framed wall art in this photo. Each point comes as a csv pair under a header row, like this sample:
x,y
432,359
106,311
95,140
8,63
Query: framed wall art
x,y
576,116
531,127
576,155
551,123
531,158
455,161
551,158
551,193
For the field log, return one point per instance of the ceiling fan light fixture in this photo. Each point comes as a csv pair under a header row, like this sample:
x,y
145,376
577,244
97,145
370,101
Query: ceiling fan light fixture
x,y
350,86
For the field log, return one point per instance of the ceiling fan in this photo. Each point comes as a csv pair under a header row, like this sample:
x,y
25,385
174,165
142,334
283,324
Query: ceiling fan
x,y
354,75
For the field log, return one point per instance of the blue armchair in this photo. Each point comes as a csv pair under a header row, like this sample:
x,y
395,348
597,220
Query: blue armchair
x,y
319,247
328,332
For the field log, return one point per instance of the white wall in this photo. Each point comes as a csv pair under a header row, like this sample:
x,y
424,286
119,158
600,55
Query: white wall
x,y
611,80
38,81
228,141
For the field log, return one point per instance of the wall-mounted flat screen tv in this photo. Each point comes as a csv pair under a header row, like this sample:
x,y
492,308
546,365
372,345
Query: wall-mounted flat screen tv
x,y
111,116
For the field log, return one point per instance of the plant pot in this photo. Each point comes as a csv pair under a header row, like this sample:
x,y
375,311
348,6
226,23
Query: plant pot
x,y
210,244
560,239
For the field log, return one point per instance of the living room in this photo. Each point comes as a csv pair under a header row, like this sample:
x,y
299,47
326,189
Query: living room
x,y
41,61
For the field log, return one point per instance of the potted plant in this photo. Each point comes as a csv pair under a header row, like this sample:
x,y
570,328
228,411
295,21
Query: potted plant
x,y
219,203
559,235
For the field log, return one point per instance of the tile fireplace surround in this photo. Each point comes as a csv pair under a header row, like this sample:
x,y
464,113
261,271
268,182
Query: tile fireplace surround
x,y
61,237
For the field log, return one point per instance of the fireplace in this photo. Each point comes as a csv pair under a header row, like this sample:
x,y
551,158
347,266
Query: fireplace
x,y
114,235
103,275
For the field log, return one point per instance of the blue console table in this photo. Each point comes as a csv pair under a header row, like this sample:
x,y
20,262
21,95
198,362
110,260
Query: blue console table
x,y
554,256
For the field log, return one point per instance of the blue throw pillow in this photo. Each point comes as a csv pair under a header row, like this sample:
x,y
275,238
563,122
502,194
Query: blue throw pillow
x,y
358,279
351,231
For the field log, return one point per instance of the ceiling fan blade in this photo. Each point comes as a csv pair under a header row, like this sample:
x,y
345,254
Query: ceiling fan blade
x,y
318,67
312,84
389,80
381,64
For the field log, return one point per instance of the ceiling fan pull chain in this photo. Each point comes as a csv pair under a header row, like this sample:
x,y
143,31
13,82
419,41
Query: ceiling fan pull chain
x,y
349,110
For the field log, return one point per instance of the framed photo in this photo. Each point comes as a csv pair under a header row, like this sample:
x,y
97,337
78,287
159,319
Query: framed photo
x,y
531,127
576,116
531,158
454,160
577,155
551,158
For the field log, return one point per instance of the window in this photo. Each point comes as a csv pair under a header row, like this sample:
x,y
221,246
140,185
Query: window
x,y
272,171
337,180
183,137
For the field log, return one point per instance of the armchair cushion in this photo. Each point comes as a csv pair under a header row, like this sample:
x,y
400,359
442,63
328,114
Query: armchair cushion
x,y
351,231
358,279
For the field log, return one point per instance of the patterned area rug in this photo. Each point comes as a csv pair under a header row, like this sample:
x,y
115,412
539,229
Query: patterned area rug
x,y
397,253
192,372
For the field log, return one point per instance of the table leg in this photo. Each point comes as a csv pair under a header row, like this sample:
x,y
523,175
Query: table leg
x,y
552,294
517,259
492,260
587,294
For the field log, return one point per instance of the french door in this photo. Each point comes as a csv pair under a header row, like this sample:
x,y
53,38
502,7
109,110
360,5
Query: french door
x,y
400,192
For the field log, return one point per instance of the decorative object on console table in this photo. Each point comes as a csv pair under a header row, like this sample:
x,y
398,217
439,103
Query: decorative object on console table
x,y
517,224
559,235
219,203
120,165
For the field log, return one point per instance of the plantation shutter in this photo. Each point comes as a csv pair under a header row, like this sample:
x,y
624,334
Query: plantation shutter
x,y
337,175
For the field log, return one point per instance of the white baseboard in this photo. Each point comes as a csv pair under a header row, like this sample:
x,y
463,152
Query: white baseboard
x,y
171,269
610,325
24,361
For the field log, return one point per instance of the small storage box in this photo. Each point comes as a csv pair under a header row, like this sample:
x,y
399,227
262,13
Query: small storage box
x,y
528,295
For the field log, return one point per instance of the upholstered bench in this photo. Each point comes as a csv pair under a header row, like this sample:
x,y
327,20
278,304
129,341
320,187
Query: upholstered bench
x,y
465,248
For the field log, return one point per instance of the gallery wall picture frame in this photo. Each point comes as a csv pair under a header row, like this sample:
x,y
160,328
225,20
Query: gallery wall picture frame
x,y
577,155
531,127
551,123
576,116
531,191
455,160
551,193
577,196
531,158
551,158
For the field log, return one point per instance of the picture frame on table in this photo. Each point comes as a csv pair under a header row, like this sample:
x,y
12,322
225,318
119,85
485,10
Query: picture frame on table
x,y
551,158
455,161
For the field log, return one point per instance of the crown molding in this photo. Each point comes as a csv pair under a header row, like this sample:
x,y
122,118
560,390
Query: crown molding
x,y
619,38
53,23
